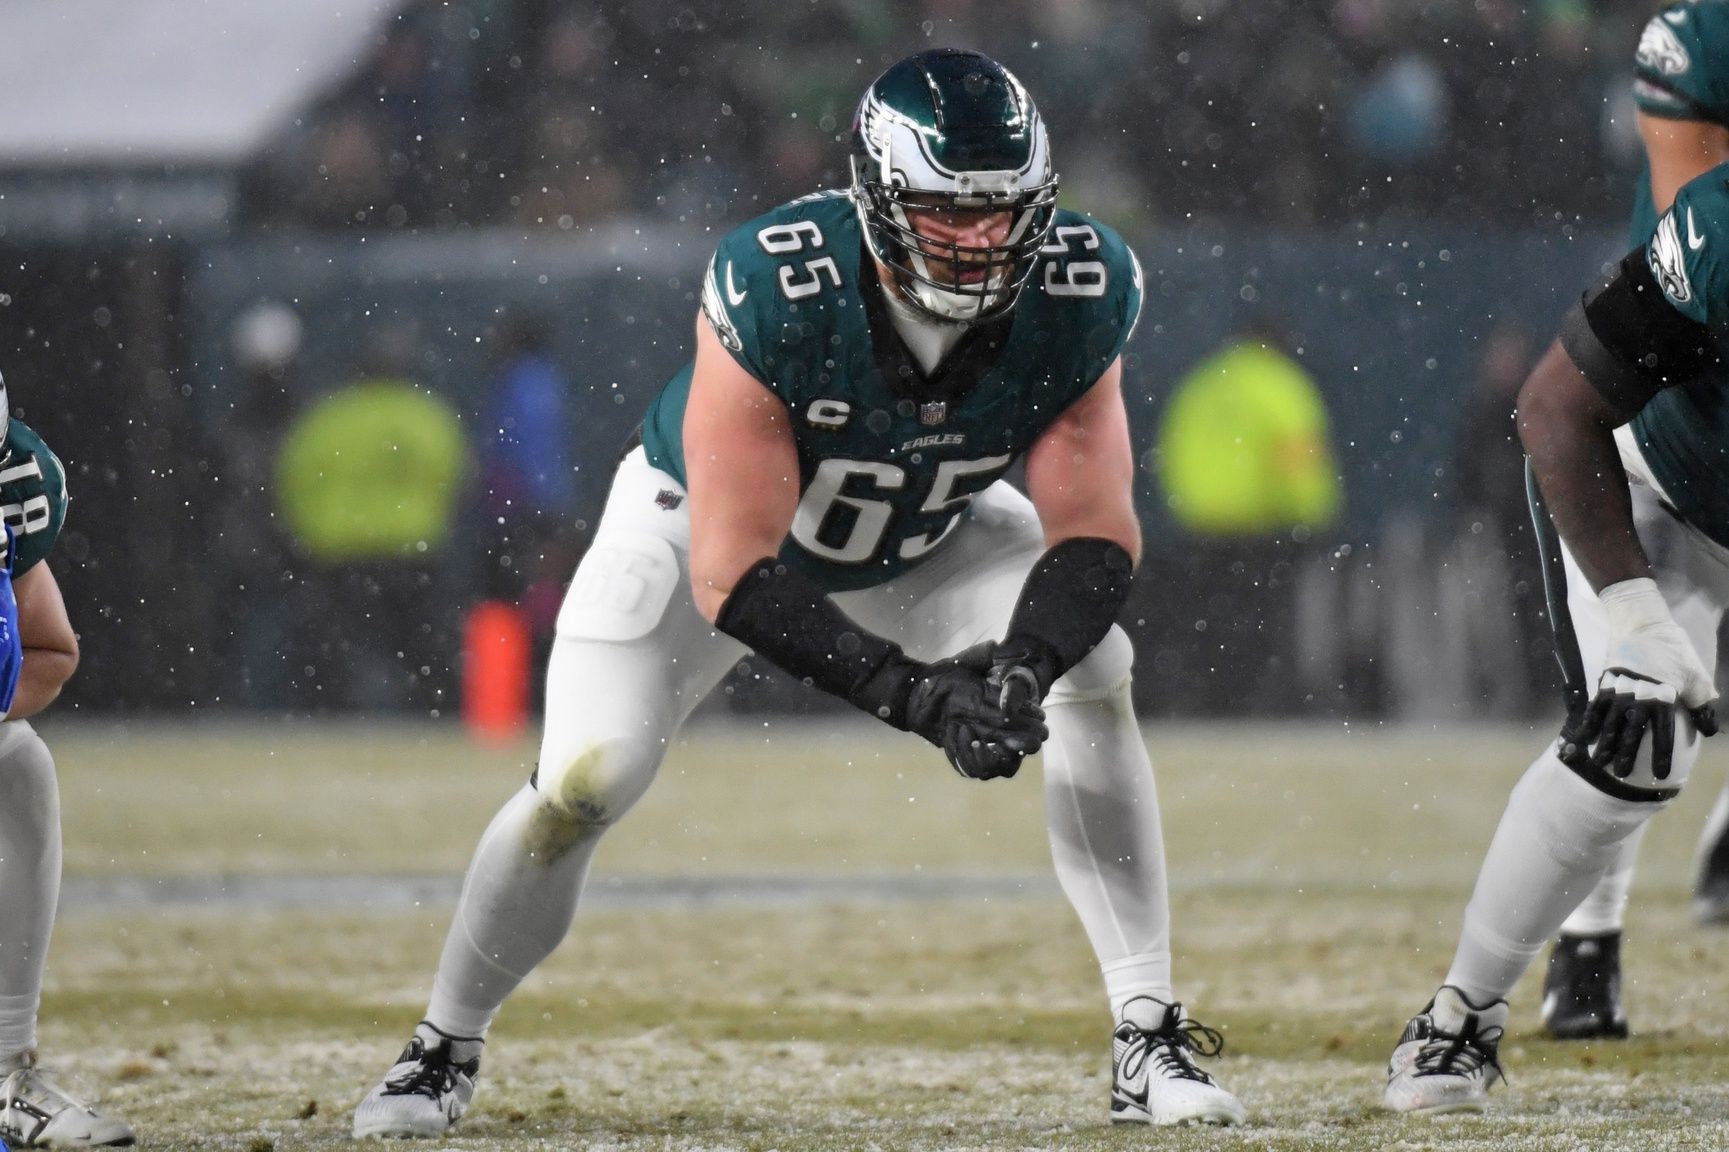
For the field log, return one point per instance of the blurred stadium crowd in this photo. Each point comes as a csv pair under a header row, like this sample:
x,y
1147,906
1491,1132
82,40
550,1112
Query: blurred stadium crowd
x,y
558,115
1432,161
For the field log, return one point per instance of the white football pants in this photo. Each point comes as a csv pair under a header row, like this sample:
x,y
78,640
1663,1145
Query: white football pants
x,y
633,657
1562,840
29,879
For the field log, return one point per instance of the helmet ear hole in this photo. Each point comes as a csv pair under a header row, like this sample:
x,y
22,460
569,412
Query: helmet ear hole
x,y
948,129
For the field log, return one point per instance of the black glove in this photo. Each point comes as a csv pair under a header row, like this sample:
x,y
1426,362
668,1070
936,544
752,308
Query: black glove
x,y
985,729
1626,707
1020,672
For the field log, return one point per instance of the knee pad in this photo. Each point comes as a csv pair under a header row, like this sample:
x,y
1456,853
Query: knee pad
x,y
27,781
1104,671
1574,820
621,588
591,784
1642,783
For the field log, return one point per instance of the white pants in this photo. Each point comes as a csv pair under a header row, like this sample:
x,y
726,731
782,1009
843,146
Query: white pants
x,y
633,657
1564,848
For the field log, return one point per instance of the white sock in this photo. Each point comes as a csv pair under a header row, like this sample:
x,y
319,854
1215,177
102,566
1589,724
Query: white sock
x,y
1605,907
1102,812
1555,840
29,879
17,1027
518,901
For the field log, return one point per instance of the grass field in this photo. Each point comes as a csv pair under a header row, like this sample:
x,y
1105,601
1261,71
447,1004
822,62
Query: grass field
x,y
1318,876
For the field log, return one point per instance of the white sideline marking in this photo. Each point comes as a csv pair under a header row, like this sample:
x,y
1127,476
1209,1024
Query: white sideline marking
x,y
263,893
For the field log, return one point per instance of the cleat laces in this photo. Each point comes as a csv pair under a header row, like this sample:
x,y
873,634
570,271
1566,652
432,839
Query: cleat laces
x,y
1463,1053
1172,1049
433,1075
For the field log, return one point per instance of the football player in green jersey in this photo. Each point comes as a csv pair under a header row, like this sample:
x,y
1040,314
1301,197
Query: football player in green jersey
x,y
1626,428
823,485
1681,87
38,653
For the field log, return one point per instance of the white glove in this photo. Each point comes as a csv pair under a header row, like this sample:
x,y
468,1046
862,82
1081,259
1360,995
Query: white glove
x,y
1650,665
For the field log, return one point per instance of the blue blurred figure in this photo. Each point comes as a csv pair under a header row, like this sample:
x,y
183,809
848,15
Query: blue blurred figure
x,y
1399,115
11,648
528,475
526,459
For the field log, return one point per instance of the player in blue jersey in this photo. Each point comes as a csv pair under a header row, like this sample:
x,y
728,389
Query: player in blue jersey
x,y
1681,87
38,653
823,485
1625,422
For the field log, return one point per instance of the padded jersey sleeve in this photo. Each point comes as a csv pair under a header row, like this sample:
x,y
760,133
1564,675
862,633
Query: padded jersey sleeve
x,y
1681,71
1129,296
1090,270
730,304
1688,253
32,496
1656,321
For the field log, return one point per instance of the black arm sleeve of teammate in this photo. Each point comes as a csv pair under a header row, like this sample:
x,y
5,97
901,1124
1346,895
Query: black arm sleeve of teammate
x,y
783,615
1069,601
1630,342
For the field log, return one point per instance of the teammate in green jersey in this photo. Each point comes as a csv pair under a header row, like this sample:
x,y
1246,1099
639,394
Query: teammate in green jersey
x,y
38,653
1625,425
823,485
1681,88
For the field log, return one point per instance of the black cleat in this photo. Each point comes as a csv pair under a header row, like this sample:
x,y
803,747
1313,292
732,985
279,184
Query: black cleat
x,y
1582,989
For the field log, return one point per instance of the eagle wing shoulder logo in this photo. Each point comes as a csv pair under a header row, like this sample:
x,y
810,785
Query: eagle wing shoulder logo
x,y
1668,261
714,307
1661,50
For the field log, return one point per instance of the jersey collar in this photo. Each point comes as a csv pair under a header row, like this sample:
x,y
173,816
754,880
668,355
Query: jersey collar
x,y
956,375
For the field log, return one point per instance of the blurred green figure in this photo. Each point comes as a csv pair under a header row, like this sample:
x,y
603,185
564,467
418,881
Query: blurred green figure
x,y
1248,473
371,473
1243,449
367,481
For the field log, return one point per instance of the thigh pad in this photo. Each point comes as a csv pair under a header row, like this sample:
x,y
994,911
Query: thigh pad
x,y
621,589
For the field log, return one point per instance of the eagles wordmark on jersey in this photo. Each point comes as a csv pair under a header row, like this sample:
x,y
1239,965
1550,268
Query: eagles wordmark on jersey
x,y
867,366
890,458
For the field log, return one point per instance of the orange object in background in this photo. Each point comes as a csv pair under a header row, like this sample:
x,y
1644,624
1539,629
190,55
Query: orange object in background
x,y
495,671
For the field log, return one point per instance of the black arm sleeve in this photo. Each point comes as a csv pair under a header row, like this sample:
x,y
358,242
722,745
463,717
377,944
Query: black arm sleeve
x,y
1069,601
1630,342
783,615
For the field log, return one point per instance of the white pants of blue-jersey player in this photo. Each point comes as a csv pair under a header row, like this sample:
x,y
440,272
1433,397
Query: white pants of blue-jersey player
x,y
35,1112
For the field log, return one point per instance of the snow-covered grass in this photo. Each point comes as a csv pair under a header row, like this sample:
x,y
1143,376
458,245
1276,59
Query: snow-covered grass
x,y
1318,877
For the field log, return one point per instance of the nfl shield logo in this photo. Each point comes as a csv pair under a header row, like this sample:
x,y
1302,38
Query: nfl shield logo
x,y
933,412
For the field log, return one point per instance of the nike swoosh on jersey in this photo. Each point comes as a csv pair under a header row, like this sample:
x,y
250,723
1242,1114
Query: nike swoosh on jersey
x,y
1694,240
733,295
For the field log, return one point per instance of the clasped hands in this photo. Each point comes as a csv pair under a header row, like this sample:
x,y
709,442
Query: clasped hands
x,y
981,707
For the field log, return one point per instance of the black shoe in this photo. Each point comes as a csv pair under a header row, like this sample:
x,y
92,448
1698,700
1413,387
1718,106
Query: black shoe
x,y
1582,990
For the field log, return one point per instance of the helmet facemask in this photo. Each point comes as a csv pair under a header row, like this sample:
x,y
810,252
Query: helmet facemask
x,y
972,142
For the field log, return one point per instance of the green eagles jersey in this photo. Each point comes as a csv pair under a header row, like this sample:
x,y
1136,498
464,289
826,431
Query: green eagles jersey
x,y
889,458
1683,432
1681,73
32,495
